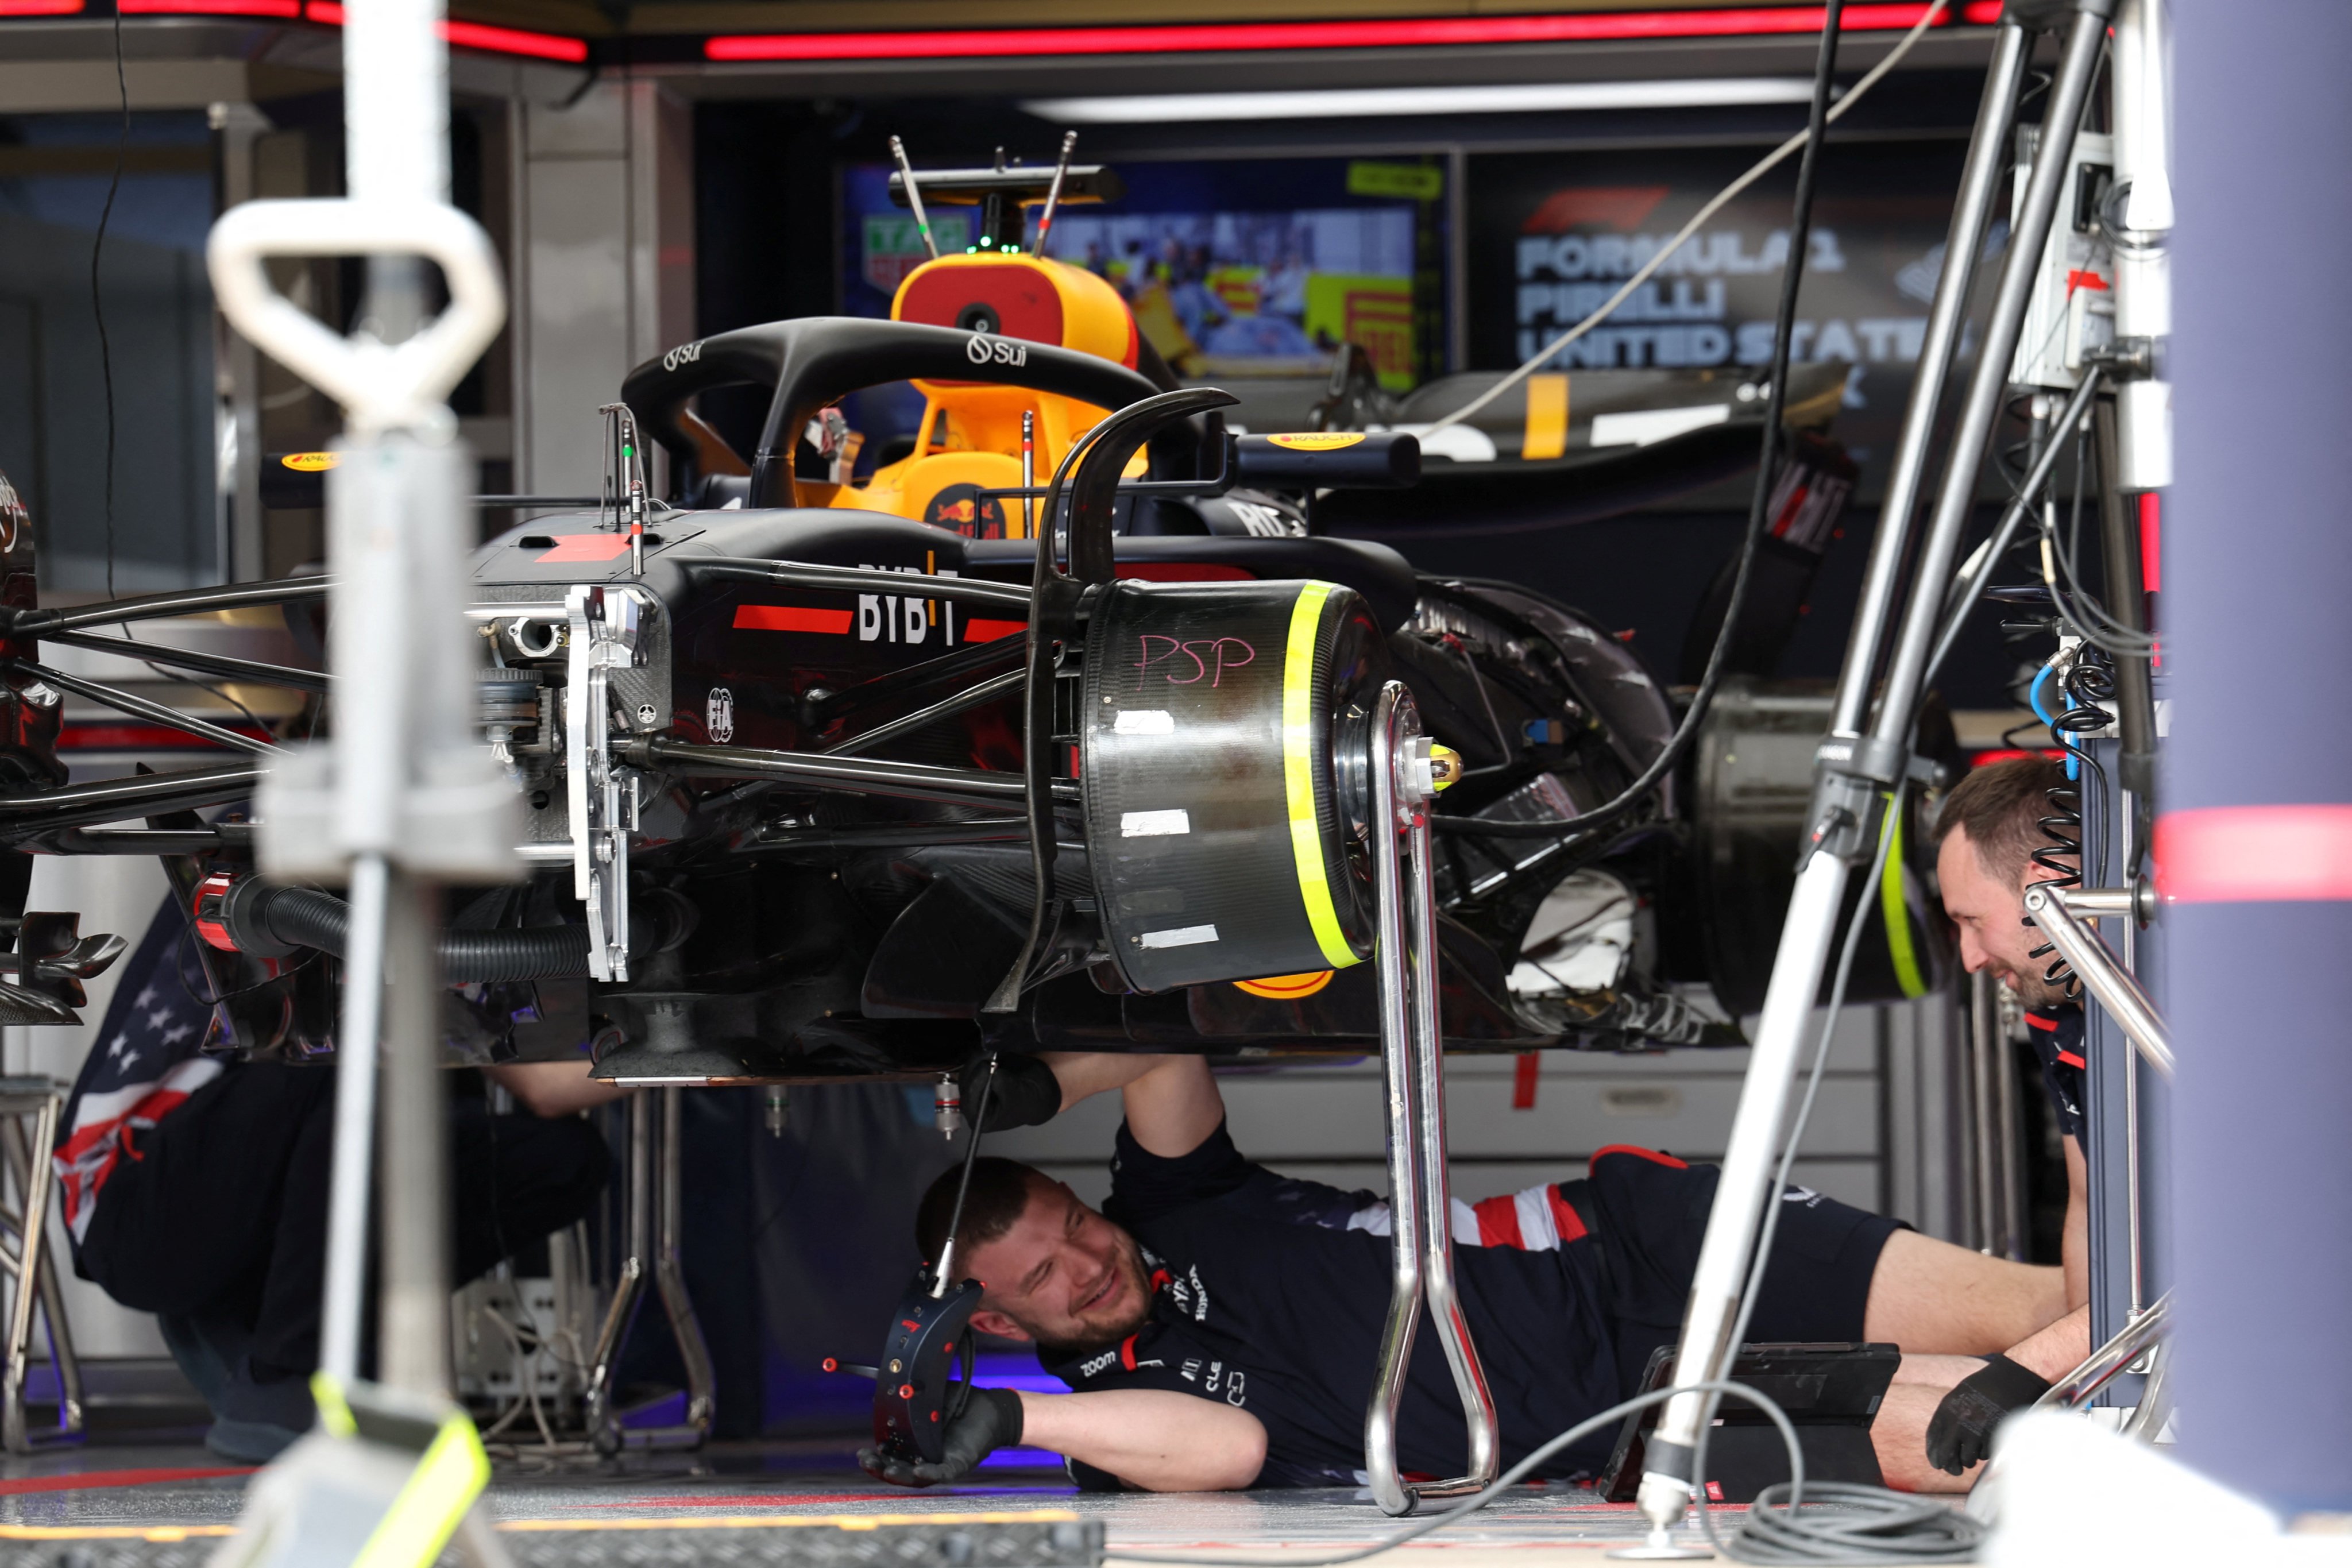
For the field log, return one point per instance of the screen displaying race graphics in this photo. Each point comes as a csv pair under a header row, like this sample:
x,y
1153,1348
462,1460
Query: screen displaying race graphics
x,y
1235,269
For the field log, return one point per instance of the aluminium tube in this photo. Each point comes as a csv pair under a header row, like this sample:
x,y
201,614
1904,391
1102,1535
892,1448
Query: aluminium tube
x,y
1741,1190
412,1154
1980,183
1392,974
354,1146
2111,985
1436,1197
2085,43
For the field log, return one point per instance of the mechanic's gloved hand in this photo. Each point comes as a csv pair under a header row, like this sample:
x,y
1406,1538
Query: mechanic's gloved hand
x,y
1027,1094
990,1420
1960,1432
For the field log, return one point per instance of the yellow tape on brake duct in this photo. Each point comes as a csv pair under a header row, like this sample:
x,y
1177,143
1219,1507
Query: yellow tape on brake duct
x,y
1298,775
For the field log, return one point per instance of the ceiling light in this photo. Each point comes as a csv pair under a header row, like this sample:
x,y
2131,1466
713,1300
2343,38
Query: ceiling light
x,y
1380,103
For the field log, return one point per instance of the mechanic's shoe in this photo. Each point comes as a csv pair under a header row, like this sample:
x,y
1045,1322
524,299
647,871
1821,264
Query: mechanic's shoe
x,y
250,1442
258,1421
208,1351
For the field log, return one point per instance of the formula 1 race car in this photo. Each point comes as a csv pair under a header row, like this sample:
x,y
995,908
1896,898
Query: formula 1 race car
x,y
828,779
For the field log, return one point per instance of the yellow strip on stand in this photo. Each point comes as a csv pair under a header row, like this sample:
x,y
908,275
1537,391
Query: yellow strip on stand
x,y
1547,431
1298,775
1896,914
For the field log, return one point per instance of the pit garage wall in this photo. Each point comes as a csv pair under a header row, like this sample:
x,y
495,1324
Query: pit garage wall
x,y
1885,1134
603,267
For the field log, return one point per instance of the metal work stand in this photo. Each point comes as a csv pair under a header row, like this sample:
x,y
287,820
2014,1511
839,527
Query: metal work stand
x,y
654,1187
1866,759
41,1101
1411,1058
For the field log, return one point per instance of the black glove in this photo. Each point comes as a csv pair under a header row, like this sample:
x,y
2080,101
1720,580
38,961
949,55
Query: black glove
x,y
1960,1433
1027,1094
990,1420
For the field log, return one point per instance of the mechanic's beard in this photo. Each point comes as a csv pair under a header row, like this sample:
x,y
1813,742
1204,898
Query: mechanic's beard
x,y
1087,1335
2035,994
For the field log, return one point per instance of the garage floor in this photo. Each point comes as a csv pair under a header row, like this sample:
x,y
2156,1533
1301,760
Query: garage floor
x,y
147,1484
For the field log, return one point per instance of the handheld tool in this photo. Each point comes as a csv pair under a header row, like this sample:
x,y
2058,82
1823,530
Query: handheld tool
x,y
924,1377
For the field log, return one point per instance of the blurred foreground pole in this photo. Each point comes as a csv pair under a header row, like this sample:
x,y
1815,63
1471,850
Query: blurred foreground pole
x,y
2254,839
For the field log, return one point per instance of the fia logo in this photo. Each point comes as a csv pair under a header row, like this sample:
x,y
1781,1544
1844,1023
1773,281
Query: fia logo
x,y
982,348
719,714
684,353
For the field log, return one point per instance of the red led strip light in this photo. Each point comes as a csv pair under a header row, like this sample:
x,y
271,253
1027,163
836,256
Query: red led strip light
x,y
40,7
477,36
1387,33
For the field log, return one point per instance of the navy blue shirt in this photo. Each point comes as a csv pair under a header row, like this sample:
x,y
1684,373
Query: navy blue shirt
x,y
2058,1041
1270,1294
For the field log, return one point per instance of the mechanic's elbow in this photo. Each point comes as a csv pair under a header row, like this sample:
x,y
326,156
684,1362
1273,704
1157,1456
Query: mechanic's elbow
x,y
1238,1462
1248,1459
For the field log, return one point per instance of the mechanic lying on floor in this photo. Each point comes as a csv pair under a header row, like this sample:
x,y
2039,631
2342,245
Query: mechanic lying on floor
x,y
1989,832
196,1188
1221,1323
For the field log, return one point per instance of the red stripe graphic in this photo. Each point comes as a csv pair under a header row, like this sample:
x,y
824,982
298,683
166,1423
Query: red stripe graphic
x,y
1499,1221
1564,1217
584,547
791,618
93,1480
1217,38
979,629
1649,1154
2255,854
2036,1021
2072,1060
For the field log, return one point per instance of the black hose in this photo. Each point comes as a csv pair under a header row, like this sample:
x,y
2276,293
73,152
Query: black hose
x,y
304,917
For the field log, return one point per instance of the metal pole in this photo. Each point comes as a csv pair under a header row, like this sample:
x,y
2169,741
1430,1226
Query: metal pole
x,y
414,1162
1436,1193
669,1274
1853,773
355,1086
2109,983
1980,182
1984,1057
1406,1254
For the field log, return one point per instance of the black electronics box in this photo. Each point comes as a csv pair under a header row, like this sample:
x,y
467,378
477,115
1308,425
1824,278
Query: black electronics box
x,y
1829,1392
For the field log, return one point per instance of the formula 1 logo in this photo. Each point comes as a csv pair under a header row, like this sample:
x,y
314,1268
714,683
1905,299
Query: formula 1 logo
x,y
982,348
684,353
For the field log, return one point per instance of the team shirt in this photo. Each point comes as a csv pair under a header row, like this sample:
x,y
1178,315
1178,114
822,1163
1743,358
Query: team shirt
x,y
1271,1294
2058,1041
147,1060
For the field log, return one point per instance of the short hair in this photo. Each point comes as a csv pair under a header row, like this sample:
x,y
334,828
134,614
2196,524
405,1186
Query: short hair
x,y
1000,1190
2001,806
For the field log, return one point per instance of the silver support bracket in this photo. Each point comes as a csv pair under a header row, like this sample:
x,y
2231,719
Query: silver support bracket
x,y
604,624
1421,1242
2059,914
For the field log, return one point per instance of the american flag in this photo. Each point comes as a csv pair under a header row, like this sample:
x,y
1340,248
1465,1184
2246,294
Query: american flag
x,y
145,1062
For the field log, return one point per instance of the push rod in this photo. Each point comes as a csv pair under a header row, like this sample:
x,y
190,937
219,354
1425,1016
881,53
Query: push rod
x,y
1853,773
147,794
141,708
979,696
866,580
816,770
218,664
158,606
